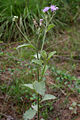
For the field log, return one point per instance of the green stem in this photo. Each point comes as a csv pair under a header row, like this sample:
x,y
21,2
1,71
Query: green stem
x,y
43,40
44,33
38,108
38,81
47,23
43,72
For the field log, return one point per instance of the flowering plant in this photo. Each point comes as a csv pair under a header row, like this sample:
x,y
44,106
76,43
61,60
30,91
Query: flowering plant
x,y
40,60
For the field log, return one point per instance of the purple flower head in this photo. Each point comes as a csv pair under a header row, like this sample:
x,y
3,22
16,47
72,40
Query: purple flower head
x,y
46,9
41,21
54,8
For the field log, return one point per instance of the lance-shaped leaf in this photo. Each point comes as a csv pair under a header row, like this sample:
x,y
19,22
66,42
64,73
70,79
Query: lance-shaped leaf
x,y
48,97
26,45
28,115
29,86
44,69
44,54
51,54
38,62
40,87
50,27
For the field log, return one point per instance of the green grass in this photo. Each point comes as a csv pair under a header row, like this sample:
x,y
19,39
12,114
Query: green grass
x,y
27,10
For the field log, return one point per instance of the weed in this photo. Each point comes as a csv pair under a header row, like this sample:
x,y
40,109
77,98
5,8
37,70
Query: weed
x,y
65,81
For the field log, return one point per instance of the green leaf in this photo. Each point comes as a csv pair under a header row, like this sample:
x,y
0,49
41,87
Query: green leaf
x,y
28,115
44,54
40,87
44,69
50,27
48,97
26,45
39,62
51,54
29,86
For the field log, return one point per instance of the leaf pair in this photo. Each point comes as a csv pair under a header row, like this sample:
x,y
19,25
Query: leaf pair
x,y
39,87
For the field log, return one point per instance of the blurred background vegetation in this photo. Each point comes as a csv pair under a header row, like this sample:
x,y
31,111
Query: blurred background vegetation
x,y
27,10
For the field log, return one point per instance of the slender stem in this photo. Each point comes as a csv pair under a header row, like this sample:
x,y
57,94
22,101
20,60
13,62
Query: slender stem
x,y
43,40
47,23
38,94
38,108
51,18
44,33
38,81
44,66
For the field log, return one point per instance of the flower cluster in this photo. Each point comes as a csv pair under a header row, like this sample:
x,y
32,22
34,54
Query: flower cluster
x,y
52,7
41,20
